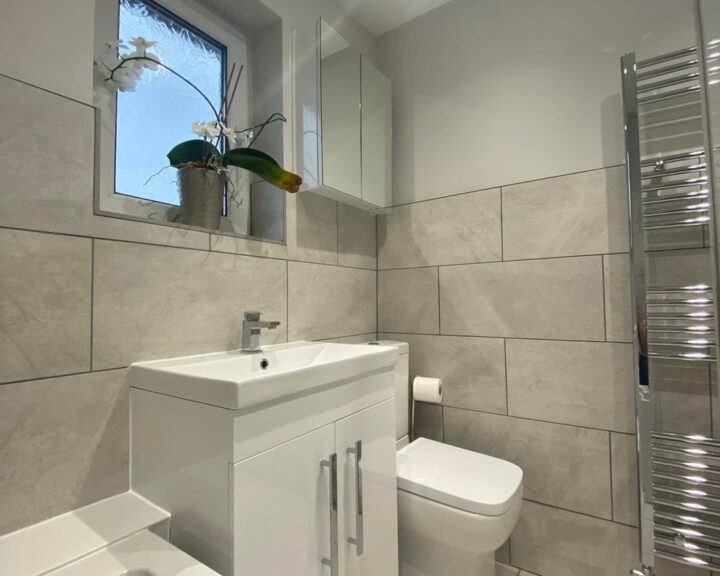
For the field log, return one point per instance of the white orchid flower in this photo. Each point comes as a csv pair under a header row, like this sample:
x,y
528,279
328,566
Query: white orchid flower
x,y
152,62
142,44
229,133
206,129
127,76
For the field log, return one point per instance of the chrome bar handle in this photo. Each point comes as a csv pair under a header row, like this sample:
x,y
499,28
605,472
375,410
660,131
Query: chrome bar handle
x,y
332,562
359,539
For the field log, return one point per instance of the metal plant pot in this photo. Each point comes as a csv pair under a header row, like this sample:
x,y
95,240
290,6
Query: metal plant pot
x,y
201,197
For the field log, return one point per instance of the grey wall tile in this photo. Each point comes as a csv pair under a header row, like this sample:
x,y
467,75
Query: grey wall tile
x,y
357,238
679,267
584,213
408,301
472,369
63,444
155,302
358,339
429,421
623,451
330,301
557,298
452,230
618,298
505,570
248,246
45,290
682,397
556,542
581,383
56,195
563,466
312,228
502,554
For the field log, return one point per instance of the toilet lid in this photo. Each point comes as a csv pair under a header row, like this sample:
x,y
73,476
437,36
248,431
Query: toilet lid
x,y
459,478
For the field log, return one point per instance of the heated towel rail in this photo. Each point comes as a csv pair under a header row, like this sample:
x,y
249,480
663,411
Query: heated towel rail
x,y
672,225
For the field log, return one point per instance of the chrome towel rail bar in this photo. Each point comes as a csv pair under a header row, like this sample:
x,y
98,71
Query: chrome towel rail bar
x,y
641,64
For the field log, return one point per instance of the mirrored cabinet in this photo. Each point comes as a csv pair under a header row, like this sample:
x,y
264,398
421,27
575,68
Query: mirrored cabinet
x,y
354,125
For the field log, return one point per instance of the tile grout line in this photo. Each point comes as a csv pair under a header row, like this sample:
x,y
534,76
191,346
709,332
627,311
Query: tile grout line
x,y
500,337
604,296
527,419
507,185
502,240
175,247
92,301
507,392
612,491
570,511
438,302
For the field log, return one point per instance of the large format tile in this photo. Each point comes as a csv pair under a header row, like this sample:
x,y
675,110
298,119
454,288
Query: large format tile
x,y
679,267
358,338
312,228
581,383
45,303
452,230
429,421
563,466
682,397
63,444
330,301
556,542
408,301
47,156
623,451
155,302
558,299
472,369
248,246
505,570
357,238
584,213
618,298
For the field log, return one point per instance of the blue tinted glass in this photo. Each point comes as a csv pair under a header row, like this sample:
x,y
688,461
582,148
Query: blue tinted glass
x,y
158,115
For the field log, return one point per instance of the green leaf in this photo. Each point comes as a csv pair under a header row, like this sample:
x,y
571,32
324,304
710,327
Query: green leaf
x,y
264,166
192,151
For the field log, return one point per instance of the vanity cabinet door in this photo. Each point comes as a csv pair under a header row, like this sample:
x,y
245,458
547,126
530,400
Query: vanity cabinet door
x,y
369,515
281,505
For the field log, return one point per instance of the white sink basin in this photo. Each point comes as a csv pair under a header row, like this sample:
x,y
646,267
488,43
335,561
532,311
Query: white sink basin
x,y
237,380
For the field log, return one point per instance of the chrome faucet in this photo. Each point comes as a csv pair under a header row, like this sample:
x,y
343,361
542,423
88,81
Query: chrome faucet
x,y
251,327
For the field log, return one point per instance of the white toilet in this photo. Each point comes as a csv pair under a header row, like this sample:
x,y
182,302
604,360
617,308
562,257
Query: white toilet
x,y
455,507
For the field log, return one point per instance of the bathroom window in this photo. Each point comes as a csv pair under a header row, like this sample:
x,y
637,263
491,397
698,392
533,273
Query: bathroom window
x,y
137,129
158,115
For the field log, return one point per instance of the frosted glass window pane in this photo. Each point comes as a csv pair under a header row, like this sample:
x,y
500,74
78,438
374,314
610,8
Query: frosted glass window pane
x,y
159,114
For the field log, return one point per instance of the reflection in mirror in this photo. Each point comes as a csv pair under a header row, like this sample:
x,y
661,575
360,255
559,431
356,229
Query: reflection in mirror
x,y
376,136
340,104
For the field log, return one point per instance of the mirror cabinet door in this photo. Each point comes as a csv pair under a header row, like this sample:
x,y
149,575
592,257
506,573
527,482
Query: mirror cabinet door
x,y
376,135
340,105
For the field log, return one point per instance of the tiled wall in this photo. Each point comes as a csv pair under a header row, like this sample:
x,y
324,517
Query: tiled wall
x,y
518,298
83,296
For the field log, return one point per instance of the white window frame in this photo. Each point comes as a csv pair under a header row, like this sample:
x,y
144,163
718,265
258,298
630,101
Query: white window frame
x,y
107,200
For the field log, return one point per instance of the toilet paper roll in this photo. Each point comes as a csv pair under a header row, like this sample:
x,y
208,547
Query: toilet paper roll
x,y
427,389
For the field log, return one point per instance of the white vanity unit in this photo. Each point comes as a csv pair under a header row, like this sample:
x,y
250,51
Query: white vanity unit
x,y
280,462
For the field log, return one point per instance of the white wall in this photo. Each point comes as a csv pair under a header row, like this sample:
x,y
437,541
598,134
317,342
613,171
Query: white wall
x,y
49,43
491,92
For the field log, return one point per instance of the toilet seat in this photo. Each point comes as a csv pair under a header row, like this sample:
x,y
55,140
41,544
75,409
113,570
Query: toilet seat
x,y
466,480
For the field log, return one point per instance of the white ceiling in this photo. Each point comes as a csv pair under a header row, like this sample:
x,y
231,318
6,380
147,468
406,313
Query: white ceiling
x,y
379,16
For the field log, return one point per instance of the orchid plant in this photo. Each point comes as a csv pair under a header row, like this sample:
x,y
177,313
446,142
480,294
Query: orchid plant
x,y
123,66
